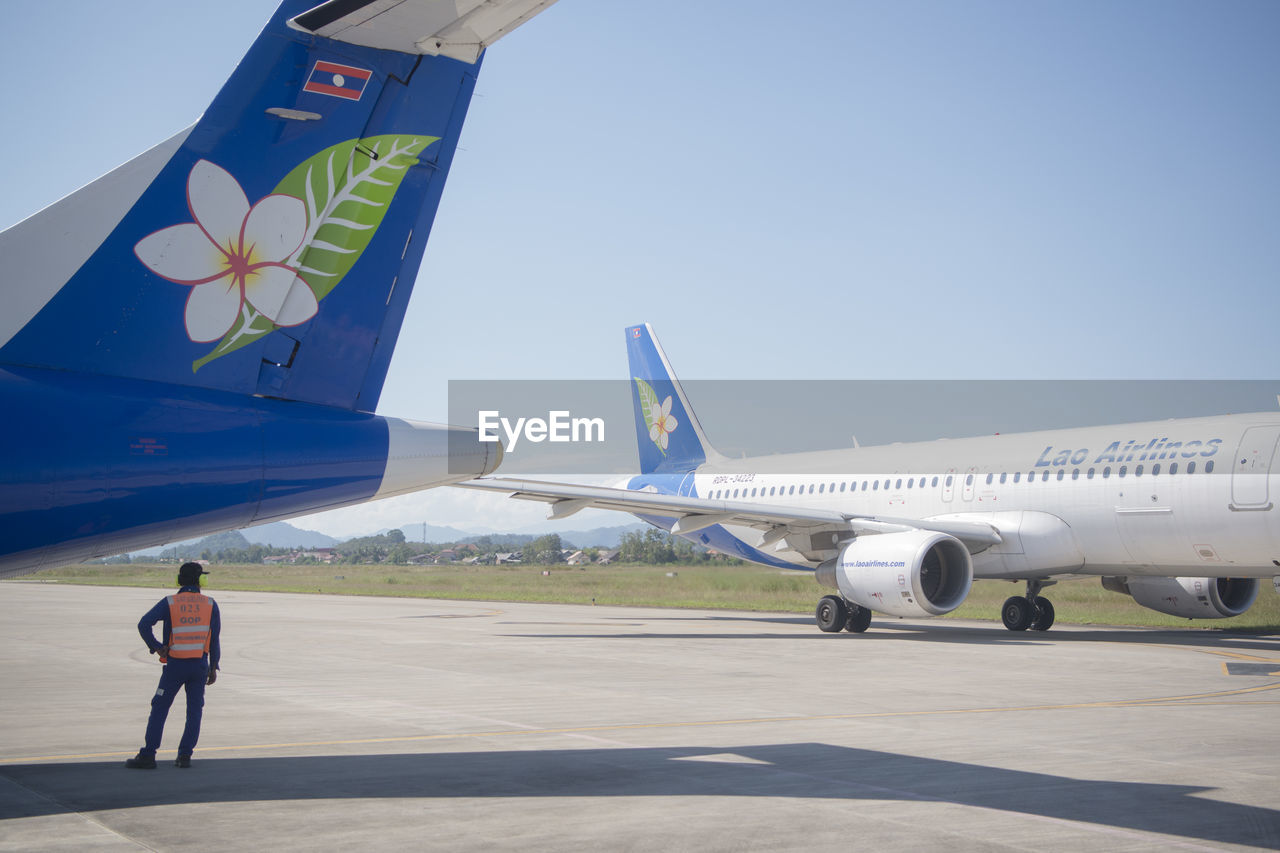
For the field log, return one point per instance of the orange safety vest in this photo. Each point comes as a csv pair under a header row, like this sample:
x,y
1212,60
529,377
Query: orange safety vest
x,y
191,621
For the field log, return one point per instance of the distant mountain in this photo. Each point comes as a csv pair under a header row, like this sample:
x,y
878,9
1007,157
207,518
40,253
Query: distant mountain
x,y
433,533
213,543
278,534
599,537
282,534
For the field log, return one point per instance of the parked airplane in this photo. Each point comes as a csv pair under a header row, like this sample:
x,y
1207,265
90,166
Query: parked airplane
x,y
1177,513
197,341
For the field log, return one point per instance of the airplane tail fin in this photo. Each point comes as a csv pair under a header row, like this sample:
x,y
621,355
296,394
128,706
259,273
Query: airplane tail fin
x,y
271,248
669,436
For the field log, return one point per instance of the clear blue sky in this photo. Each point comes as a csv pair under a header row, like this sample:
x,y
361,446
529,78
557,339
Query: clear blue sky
x,y
882,189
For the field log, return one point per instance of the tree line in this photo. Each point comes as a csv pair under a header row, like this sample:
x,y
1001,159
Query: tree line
x,y
650,547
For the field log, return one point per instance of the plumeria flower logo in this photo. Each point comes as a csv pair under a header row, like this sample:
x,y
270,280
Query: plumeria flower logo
x,y
232,256
663,423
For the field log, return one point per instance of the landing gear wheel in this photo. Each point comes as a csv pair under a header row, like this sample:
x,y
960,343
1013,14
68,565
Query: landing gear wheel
x,y
859,619
832,614
1043,618
1017,613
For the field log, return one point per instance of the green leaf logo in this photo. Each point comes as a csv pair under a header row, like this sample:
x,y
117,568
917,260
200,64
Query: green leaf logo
x,y
346,189
657,415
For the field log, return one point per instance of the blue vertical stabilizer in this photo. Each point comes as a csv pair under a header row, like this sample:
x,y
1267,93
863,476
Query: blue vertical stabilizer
x,y
270,249
668,434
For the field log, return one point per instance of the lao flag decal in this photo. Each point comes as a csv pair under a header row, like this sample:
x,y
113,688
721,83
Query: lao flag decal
x,y
340,81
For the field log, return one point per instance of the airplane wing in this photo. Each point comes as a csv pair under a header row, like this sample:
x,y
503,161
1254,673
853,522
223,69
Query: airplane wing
x,y
696,513
458,29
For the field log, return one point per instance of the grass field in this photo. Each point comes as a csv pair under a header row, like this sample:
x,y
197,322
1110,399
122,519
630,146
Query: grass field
x,y
744,587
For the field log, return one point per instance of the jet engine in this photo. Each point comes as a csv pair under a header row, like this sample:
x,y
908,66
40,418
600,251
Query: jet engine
x,y
912,573
1193,598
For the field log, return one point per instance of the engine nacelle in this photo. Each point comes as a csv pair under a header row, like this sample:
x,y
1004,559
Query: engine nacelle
x,y
1192,598
913,573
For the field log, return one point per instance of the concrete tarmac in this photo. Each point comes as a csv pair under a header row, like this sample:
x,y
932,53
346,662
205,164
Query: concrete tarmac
x,y
387,724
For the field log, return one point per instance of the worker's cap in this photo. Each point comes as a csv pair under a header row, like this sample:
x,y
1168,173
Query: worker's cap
x,y
189,573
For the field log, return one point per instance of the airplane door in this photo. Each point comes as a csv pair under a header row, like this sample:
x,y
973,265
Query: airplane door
x,y
1251,466
969,477
949,484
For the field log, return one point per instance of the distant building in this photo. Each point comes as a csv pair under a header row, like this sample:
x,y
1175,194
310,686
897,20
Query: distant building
x,y
607,557
577,558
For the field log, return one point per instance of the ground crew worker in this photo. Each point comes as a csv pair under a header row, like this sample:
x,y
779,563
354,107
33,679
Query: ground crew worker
x,y
190,655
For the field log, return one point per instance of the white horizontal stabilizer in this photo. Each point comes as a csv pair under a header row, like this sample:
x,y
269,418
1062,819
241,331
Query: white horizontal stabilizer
x,y
458,29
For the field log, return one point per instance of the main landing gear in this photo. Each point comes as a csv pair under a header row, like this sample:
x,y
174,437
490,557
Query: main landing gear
x,y
834,614
1020,613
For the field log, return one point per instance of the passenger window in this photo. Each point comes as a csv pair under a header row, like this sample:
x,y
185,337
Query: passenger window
x,y
1106,472
990,478
1075,473
1191,467
833,487
968,479
1017,476
948,480
898,485
1044,478
842,487
811,488
935,481
735,493
1208,467
886,485
1090,474
864,485
1031,476
1003,477
772,489
1061,473
1137,472
875,486
1124,469
1173,467
822,487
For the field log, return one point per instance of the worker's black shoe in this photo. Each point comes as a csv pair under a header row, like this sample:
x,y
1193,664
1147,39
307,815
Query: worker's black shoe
x,y
183,761
141,762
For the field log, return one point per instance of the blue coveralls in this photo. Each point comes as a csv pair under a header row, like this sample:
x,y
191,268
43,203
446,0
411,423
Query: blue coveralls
x,y
190,673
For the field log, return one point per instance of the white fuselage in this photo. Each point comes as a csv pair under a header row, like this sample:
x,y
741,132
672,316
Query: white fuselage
x,y
1177,497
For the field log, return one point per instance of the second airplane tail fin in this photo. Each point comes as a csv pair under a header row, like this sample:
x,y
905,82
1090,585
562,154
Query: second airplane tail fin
x,y
669,436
